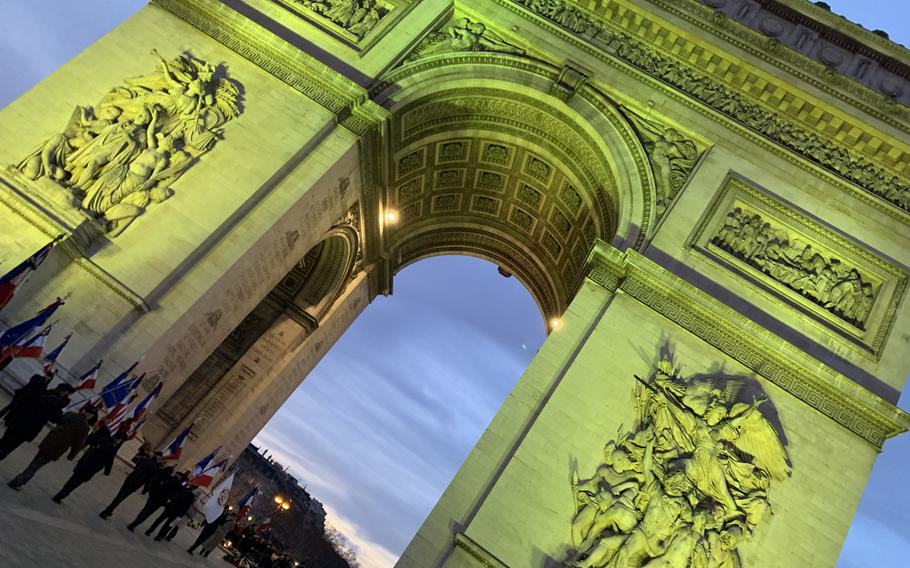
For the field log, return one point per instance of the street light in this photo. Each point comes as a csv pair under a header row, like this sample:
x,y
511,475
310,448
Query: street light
x,y
282,503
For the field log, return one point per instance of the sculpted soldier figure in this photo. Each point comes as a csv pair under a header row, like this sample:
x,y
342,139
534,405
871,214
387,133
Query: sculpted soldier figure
x,y
124,154
689,483
827,281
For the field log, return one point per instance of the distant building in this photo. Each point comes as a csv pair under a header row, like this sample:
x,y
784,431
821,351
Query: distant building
x,y
256,466
299,529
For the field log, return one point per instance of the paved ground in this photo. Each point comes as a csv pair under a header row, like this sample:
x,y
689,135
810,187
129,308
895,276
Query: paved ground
x,y
36,532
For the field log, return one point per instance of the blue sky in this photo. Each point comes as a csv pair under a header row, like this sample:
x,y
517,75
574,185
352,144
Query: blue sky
x,y
381,426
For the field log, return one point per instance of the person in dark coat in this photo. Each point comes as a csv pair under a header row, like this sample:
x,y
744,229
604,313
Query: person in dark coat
x,y
68,436
37,384
100,455
208,529
178,505
27,418
160,493
144,475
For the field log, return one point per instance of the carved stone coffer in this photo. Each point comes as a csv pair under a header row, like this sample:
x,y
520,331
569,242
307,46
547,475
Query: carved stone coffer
x,y
798,261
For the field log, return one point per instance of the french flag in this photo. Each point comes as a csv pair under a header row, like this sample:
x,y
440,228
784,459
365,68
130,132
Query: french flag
x,y
134,429
18,275
175,448
31,348
140,408
17,333
115,391
203,464
87,381
243,506
51,358
136,382
208,475
117,414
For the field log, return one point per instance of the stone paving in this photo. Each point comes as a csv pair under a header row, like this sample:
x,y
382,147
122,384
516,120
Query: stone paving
x,y
36,532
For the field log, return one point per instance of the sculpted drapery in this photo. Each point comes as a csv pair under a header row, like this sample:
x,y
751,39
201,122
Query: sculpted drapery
x,y
118,157
687,484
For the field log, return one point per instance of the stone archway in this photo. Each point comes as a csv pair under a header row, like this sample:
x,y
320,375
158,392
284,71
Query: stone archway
x,y
524,136
491,155
224,394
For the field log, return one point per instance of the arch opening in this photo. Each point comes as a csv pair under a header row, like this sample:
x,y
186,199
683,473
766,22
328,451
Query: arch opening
x,y
383,422
304,295
485,160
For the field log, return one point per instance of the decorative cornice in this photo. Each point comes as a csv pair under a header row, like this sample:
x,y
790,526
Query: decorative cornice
x,y
768,48
279,58
711,98
112,284
479,553
834,395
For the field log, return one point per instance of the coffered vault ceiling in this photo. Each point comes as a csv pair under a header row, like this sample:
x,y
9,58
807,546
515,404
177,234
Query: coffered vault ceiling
x,y
490,174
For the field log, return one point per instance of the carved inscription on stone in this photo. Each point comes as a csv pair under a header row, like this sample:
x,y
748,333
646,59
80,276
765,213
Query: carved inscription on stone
x,y
688,483
115,159
836,285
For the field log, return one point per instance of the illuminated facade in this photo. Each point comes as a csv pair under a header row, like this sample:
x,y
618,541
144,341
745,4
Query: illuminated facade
x,y
710,198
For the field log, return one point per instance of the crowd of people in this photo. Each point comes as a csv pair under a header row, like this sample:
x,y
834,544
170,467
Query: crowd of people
x,y
78,431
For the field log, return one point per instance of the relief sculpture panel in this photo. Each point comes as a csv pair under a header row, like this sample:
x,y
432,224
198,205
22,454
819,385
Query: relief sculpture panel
x,y
835,280
115,159
690,481
359,24
837,286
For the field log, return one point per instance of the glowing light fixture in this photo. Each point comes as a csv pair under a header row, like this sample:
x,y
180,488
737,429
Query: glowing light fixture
x,y
391,216
555,323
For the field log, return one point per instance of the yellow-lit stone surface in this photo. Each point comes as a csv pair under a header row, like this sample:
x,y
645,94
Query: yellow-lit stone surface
x,y
591,150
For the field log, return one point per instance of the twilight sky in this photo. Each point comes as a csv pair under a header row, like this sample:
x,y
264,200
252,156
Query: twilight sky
x,y
382,424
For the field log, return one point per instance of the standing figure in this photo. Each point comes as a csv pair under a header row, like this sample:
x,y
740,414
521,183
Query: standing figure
x,y
27,417
144,475
179,505
218,534
102,449
159,494
69,435
35,385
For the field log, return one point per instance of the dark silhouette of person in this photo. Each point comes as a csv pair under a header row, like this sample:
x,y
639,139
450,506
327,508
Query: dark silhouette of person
x,y
159,493
208,529
100,455
30,414
177,506
144,476
68,436
35,385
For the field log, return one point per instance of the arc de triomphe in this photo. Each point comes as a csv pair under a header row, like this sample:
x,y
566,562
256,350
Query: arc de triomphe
x,y
709,201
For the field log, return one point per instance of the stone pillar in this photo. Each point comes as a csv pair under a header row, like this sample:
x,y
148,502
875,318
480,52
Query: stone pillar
x,y
253,389
273,390
215,416
182,275
513,502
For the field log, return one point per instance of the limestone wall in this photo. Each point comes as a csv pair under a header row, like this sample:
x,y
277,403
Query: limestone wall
x,y
202,259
